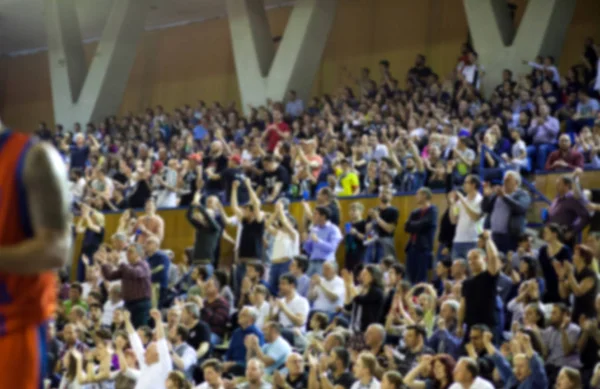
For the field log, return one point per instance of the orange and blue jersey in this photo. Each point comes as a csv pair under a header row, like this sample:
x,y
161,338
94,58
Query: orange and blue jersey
x,y
26,301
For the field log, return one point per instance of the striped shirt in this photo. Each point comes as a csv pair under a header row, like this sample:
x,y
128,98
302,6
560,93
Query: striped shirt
x,y
136,279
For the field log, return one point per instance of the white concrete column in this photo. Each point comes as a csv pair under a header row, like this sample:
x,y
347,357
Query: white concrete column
x,y
541,32
264,73
80,95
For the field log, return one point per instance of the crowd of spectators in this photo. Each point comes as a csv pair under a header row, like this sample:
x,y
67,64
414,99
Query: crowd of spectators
x,y
486,309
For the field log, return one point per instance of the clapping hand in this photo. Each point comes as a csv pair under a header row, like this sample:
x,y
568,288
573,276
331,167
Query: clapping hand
x,y
156,315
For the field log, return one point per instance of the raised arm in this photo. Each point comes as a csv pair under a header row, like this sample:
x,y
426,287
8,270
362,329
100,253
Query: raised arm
x,y
234,199
494,262
134,338
45,181
254,200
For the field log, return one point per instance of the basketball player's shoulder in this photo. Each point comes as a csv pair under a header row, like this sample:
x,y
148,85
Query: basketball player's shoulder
x,y
42,157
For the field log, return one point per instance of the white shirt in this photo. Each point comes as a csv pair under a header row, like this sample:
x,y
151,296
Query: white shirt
x,y
155,375
205,385
375,384
466,229
263,314
298,305
285,246
108,311
479,383
335,285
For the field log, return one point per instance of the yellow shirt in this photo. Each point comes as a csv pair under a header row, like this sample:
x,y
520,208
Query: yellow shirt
x,y
349,183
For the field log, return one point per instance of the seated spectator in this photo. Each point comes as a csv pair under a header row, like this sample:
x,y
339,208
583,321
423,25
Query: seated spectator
x,y
364,371
198,331
466,376
255,373
183,355
404,358
327,293
235,357
559,341
565,157
544,133
292,309
585,113
441,365
212,370
296,377
214,310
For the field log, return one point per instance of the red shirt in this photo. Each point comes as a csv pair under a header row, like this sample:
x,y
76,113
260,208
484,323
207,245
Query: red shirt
x,y
273,138
573,158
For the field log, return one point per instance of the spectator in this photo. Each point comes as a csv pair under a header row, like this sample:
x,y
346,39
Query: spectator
x,y
364,371
75,300
136,280
255,371
506,211
327,292
323,241
207,234
466,213
198,331
150,224
553,253
295,106
404,358
580,280
466,376
585,114
383,220
337,372
214,310
567,211
235,357
355,237
292,309
159,266
286,244
442,366
421,225
565,157
296,378
298,269
365,307
559,341
212,370
275,180
183,355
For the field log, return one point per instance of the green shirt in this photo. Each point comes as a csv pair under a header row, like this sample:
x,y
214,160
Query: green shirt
x,y
68,305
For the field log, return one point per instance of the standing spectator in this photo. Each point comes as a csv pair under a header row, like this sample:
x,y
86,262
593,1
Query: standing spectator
x,y
582,281
214,310
466,376
465,213
166,182
135,276
567,211
159,266
114,302
276,132
506,211
91,225
294,106
327,293
207,234
150,224
275,180
479,293
585,113
75,299
384,220
286,244
365,303
215,164
250,240
565,157
550,258
322,242
543,132
355,236
421,225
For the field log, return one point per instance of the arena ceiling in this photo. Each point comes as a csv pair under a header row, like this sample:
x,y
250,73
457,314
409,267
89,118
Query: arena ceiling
x,y
22,24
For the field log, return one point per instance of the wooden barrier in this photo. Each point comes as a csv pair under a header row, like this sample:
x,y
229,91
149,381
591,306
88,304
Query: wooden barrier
x,y
179,234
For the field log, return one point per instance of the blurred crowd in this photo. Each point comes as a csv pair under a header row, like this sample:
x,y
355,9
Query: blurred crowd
x,y
488,308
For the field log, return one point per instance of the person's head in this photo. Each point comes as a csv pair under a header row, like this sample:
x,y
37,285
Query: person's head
x,y
564,184
299,265
151,245
212,370
466,370
247,316
339,359
212,287
564,142
135,253
582,256
512,181
476,336
371,276
396,273
176,380
255,369
443,268
330,270
95,312
190,313
270,164
449,310
287,284
75,291
442,366
385,196
423,196
553,233
558,314
521,367
178,334
319,321
568,378
294,364
459,268
69,334
258,295
533,315
583,95
150,207
324,196
321,215
414,336
356,211
476,258
334,339
392,380
255,271
121,339
374,335
471,184
365,366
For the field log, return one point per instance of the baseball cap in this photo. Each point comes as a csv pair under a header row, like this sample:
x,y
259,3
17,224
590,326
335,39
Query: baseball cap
x,y
196,157
464,134
157,166
237,159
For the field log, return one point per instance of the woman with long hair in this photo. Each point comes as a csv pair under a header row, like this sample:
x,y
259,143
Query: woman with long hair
x,y
176,380
551,257
581,281
568,378
441,367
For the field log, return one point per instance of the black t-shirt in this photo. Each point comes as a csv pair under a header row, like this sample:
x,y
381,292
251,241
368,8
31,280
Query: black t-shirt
x,y
189,186
199,334
219,164
139,195
389,215
346,380
300,383
334,212
480,294
585,304
354,245
270,179
251,239
235,174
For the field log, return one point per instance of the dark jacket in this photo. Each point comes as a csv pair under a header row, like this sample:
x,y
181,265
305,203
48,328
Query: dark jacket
x,y
421,226
207,235
518,202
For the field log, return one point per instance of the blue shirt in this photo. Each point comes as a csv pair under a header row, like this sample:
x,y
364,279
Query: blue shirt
x,y
278,351
79,156
200,132
237,350
161,276
303,285
329,237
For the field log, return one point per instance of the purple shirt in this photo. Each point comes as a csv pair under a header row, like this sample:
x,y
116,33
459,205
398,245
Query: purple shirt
x,y
569,212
